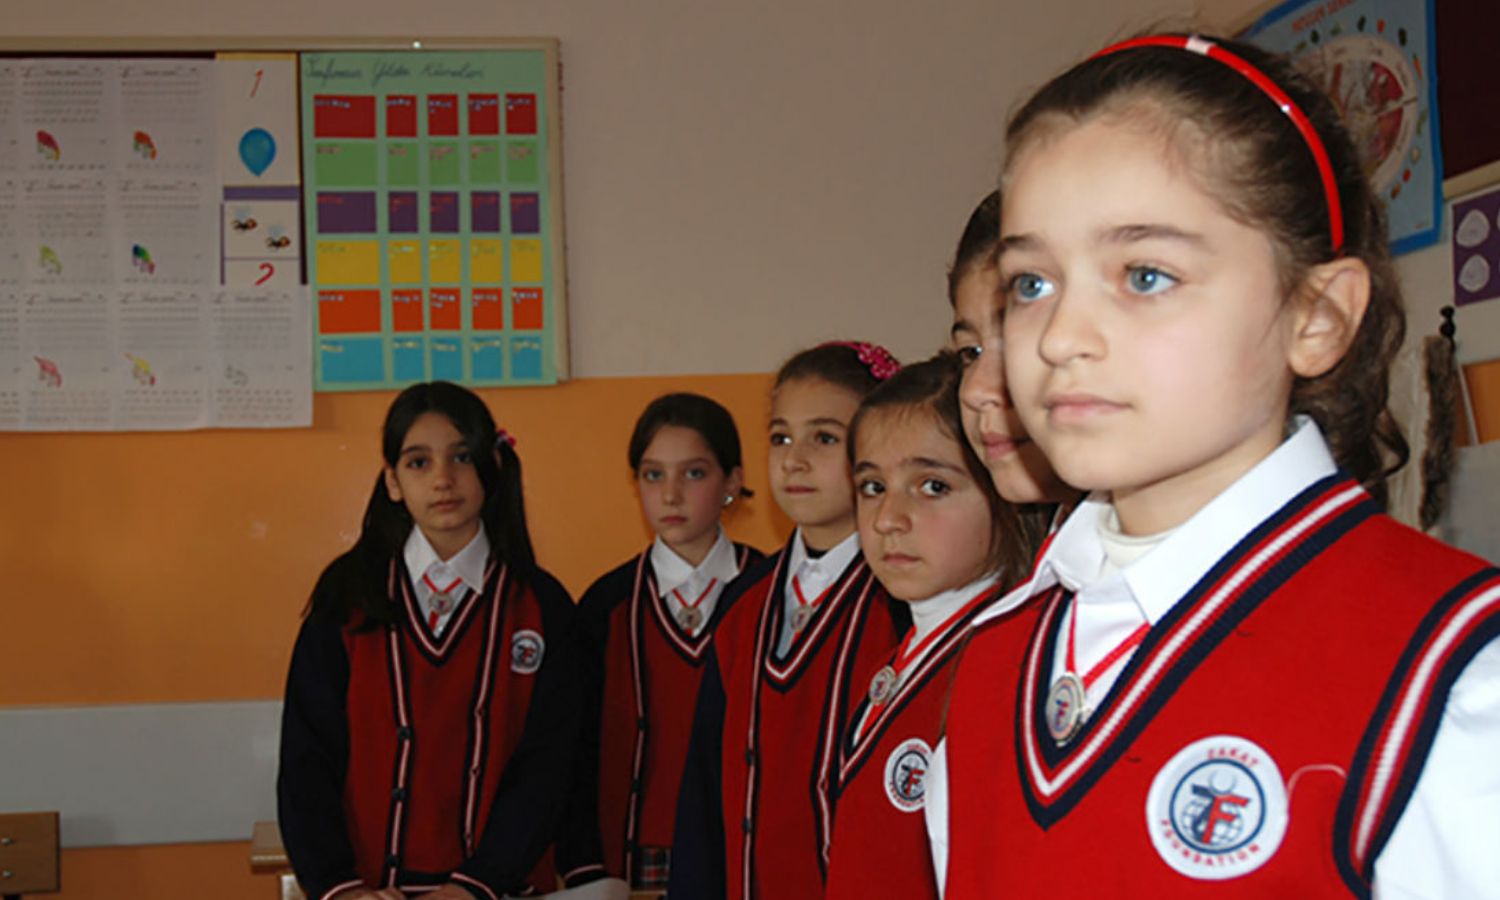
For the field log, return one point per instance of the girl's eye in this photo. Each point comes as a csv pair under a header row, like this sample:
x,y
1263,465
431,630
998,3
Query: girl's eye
x,y
826,437
934,487
416,462
1028,287
696,474
968,354
463,458
651,475
1148,280
779,440
870,488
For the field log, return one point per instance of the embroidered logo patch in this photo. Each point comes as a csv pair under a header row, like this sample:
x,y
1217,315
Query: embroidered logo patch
x,y
526,649
906,775
1218,809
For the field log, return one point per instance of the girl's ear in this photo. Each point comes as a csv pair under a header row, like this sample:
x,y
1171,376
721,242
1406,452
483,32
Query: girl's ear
x,y
392,486
733,484
1336,295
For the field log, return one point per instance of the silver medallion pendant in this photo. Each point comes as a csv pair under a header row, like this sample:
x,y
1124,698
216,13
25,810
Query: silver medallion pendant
x,y
689,618
800,617
1065,708
882,685
442,604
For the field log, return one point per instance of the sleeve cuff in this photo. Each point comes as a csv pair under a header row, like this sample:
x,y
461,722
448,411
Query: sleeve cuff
x,y
581,875
475,886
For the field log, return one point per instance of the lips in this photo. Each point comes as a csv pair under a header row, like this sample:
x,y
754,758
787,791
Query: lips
x,y
1079,407
798,489
898,560
997,445
673,520
447,505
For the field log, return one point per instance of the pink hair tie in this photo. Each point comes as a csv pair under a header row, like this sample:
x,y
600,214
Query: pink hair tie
x,y
502,435
877,359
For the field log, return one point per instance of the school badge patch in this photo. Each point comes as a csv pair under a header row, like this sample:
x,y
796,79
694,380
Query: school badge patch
x,y
1218,809
526,649
906,775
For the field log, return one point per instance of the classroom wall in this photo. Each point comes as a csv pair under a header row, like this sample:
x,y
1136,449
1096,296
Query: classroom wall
x,y
741,179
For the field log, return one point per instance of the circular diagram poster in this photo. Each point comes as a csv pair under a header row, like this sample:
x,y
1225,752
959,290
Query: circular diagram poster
x,y
1375,59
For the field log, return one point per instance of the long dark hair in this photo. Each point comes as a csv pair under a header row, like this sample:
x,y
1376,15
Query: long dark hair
x,y
1255,162
355,582
1016,532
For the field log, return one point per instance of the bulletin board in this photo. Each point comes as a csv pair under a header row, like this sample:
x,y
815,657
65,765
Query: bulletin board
x,y
433,216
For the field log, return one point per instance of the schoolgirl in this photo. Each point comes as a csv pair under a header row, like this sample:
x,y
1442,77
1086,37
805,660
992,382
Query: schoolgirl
x,y
750,813
650,621
432,702
1236,674
939,539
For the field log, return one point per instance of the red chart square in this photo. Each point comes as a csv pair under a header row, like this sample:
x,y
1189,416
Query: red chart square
x,y
526,308
406,310
445,313
401,115
442,115
520,113
343,116
488,313
484,114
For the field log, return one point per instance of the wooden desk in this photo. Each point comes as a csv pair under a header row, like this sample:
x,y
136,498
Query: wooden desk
x,y
28,853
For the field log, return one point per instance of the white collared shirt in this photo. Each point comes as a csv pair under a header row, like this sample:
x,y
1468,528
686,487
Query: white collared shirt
x,y
813,576
676,576
1444,844
467,564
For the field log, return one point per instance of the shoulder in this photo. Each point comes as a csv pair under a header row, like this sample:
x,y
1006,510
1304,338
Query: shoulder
x,y
750,555
755,581
610,589
549,593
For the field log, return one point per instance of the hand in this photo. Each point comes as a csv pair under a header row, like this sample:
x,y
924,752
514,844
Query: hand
x,y
368,894
450,891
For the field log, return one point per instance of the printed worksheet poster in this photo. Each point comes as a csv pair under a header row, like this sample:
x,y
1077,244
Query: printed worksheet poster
x,y
112,311
429,219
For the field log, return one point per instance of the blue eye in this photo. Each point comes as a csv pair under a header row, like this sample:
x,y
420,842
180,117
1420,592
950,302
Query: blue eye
x,y
1148,280
1029,286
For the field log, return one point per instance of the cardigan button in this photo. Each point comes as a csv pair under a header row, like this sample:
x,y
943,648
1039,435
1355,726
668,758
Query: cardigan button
x,y
393,861
399,794
746,825
404,732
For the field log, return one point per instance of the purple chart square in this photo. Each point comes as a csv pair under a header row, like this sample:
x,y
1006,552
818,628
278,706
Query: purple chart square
x,y
444,211
1476,248
484,212
351,212
403,210
525,214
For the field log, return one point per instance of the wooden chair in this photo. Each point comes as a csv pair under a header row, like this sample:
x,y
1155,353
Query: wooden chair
x,y
268,857
28,854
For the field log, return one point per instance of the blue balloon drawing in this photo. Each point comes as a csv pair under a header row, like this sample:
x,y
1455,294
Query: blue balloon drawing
x,y
257,150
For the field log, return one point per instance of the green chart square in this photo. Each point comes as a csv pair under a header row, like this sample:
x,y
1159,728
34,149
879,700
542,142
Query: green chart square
x,y
402,166
444,163
521,163
484,162
345,164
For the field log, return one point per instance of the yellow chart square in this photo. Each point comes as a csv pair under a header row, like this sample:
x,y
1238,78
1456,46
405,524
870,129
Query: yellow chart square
x,y
445,262
348,262
484,262
405,262
525,259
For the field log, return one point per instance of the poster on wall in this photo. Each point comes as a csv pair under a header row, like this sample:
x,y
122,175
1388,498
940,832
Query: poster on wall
x,y
1476,247
112,315
1375,58
432,218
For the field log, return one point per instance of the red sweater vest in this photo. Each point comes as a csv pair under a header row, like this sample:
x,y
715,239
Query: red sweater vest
x,y
432,723
1262,742
879,842
776,710
652,669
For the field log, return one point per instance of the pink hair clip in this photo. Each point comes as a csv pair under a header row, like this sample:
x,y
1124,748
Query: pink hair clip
x,y
502,435
877,359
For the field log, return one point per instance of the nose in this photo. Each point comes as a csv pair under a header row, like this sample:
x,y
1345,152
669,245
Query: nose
x,y
983,382
795,457
1072,330
671,489
442,471
891,514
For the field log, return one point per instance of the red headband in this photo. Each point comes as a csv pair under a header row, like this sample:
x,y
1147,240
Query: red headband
x,y
877,359
1300,121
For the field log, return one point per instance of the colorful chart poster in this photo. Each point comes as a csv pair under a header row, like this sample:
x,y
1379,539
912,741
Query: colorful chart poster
x,y
430,219
1375,58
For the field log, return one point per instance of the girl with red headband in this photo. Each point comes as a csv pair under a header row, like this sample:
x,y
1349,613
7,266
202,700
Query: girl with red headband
x,y
1235,673
751,822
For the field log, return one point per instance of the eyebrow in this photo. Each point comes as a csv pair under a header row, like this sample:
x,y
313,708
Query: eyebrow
x,y
821,420
914,462
1119,234
700,460
962,325
423,448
